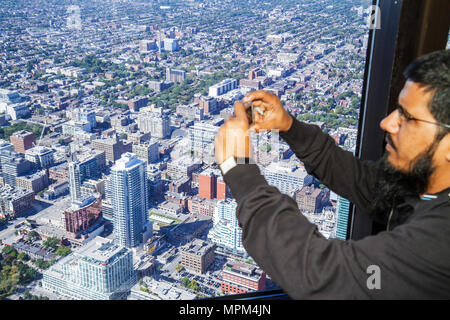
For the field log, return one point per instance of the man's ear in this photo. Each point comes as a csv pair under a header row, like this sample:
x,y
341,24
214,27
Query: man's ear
x,y
446,141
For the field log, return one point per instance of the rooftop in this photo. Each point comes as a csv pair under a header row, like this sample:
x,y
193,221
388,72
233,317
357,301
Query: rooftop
x,y
126,162
100,249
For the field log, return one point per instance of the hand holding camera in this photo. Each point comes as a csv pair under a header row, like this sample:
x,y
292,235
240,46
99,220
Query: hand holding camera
x,y
268,112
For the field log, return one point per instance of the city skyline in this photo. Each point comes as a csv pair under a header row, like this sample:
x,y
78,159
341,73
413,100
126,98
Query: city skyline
x,y
108,113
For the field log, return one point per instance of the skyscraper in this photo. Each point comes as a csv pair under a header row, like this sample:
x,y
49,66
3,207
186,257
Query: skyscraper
x,y
74,181
129,194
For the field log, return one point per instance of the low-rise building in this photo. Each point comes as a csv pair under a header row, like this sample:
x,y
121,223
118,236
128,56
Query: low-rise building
x,y
197,256
15,201
242,278
35,182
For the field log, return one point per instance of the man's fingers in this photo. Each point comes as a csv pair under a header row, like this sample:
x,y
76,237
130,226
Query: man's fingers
x,y
239,110
254,95
258,95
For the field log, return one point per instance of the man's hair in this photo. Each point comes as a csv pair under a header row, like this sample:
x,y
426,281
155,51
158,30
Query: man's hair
x,y
433,72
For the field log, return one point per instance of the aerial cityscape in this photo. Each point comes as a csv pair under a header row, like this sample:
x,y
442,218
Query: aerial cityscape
x,y
109,187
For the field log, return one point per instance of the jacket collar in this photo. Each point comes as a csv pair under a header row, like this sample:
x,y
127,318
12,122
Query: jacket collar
x,y
430,200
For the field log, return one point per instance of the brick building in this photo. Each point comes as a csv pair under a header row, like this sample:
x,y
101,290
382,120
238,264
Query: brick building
x,y
82,216
22,141
242,278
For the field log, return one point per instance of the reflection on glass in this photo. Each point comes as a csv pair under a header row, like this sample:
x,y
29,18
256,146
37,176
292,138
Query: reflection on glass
x,y
448,41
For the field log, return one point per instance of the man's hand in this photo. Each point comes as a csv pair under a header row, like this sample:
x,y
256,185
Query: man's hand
x,y
233,138
274,117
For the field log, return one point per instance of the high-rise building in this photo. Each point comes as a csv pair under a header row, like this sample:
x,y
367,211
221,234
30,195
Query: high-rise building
x,y
22,141
148,151
209,105
226,232
147,45
41,156
75,181
170,44
222,87
155,184
201,136
86,166
174,75
207,184
222,189
13,165
285,177
113,147
84,115
183,167
254,73
343,208
157,124
99,270
129,194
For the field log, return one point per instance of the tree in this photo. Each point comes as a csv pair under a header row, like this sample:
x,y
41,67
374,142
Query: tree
x,y
51,242
123,136
185,282
23,256
193,285
9,250
63,251
179,268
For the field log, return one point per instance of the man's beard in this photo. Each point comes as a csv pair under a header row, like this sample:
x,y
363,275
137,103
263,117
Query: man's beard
x,y
393,185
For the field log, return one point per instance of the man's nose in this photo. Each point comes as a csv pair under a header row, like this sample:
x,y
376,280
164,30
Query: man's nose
x,y
391,123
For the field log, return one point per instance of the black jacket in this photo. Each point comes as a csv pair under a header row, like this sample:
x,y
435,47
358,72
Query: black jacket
x,y
413,257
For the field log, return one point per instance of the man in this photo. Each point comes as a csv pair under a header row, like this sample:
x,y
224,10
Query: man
x,y
408,190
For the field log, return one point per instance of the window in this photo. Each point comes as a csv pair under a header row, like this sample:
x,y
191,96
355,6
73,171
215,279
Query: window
x,y
448,41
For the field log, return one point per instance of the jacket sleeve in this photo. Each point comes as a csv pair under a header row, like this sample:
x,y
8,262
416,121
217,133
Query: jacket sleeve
x,y
306,265
335,167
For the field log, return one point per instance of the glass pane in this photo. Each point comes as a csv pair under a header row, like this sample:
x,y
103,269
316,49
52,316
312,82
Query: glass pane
x,y
448,42
111,108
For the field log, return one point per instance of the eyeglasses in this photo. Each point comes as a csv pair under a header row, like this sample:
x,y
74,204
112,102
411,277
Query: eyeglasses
x,y
407,117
